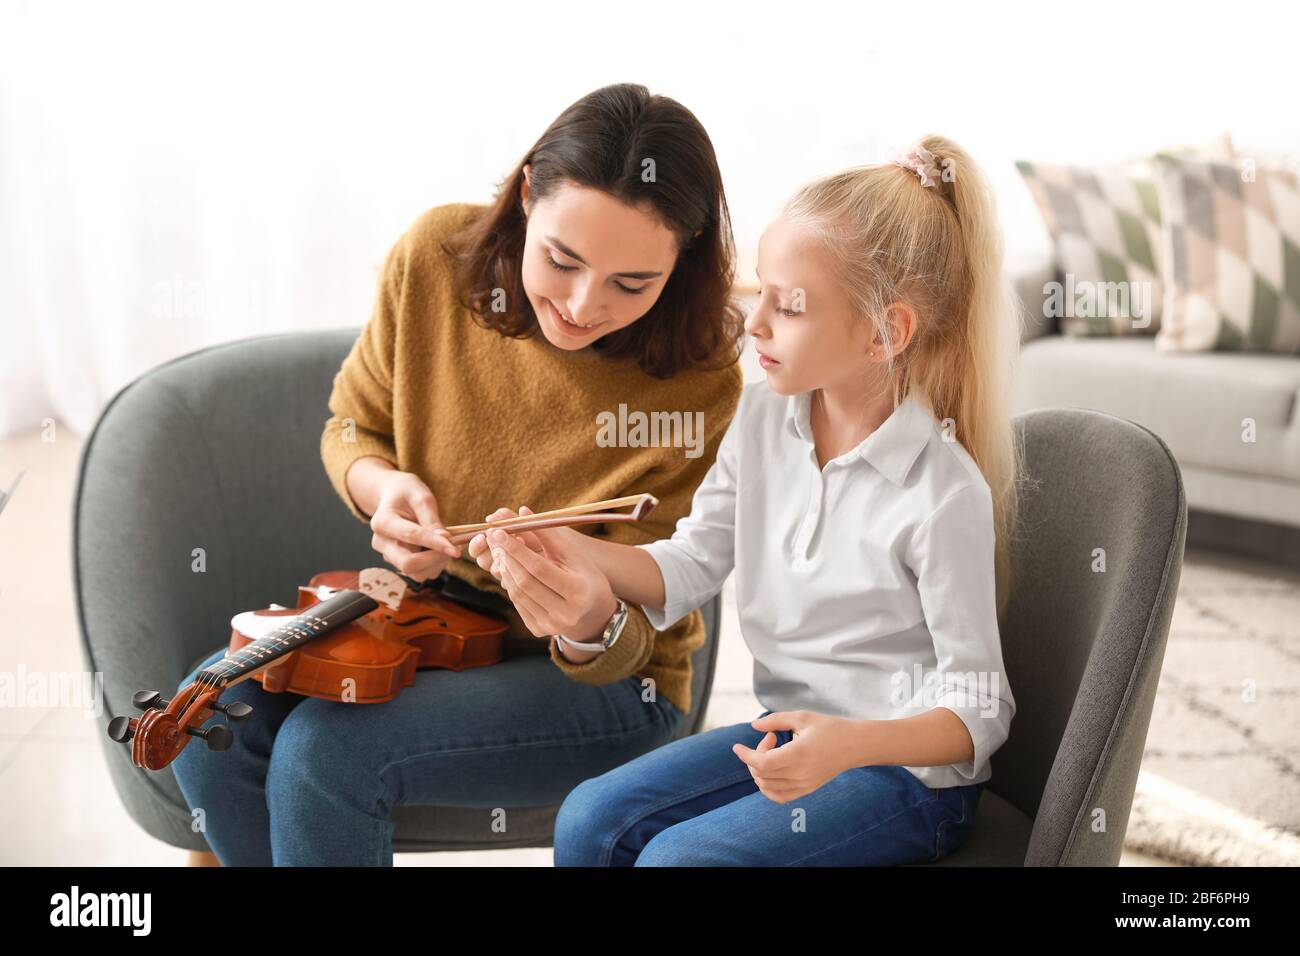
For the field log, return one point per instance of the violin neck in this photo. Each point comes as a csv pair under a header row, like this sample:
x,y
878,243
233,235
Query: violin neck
x,y
321,618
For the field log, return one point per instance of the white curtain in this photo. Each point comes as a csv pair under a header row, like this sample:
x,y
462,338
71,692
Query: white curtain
x,y
174,175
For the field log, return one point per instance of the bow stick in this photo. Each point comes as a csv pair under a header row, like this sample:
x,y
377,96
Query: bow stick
x,y
591,513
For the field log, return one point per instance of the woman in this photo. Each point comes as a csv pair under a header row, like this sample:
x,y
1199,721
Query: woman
x,y
503,340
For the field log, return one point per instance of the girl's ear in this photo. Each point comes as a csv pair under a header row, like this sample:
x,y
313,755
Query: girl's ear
x,y
901,319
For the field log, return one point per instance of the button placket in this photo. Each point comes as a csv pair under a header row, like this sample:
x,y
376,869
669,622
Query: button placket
x,y
811,517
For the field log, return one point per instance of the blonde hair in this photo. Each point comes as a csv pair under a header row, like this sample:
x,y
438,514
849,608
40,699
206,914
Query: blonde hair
x,y
937,249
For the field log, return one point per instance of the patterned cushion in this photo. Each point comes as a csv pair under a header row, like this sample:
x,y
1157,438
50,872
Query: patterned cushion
x,y
1105,225
1232,257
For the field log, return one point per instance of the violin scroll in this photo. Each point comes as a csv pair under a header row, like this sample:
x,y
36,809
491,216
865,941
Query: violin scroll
x,y
161,732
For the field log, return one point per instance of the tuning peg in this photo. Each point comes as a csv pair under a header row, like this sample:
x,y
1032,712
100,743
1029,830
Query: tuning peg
x,y
236,710
147,699
119,729
218,736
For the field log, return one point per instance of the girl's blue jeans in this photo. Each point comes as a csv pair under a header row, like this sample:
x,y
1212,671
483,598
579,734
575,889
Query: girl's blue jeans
x,y
693,802
312,782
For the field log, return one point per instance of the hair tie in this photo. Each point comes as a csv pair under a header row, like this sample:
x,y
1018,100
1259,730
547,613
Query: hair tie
x,y
919,160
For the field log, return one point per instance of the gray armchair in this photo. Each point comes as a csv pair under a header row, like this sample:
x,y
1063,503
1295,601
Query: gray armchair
x,y
1082,649
220,450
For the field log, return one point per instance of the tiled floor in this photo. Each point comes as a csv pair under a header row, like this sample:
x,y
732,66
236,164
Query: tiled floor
x,y
57,803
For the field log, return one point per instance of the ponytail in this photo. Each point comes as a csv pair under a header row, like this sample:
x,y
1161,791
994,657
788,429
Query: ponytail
x,y
939,249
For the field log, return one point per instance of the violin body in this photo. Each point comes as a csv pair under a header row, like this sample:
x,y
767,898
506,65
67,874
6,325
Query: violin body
x,y
369,660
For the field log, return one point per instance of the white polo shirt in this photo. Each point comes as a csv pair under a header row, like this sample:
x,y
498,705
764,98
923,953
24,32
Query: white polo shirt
x,y
865,590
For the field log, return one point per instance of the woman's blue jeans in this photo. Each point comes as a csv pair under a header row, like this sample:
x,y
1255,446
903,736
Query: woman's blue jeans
x,y
312,782
693,802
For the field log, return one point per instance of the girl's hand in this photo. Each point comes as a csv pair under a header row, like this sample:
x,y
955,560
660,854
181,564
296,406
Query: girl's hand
x,y
812,758
407,529
553,584
480,551
484,555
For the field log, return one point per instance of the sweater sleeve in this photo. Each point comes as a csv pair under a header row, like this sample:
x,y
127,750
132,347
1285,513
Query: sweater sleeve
x,y
674,483
361,402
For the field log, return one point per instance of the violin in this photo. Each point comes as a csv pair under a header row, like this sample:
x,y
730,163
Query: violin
x,y
354,637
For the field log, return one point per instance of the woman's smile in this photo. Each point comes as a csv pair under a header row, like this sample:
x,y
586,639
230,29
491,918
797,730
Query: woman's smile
x,y
567,327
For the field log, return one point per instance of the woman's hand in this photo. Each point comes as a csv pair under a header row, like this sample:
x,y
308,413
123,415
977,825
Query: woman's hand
x,y
406,523
553,584
814,756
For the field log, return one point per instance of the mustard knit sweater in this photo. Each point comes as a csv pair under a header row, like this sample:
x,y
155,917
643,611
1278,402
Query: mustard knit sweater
x,y
489,421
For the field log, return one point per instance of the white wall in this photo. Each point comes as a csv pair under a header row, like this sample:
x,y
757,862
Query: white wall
x,y
259,159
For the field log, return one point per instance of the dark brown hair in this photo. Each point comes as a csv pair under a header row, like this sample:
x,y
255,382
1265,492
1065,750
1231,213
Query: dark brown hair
x,y
601,142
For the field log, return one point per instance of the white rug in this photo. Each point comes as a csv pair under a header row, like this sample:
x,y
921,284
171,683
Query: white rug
x,y
1220,778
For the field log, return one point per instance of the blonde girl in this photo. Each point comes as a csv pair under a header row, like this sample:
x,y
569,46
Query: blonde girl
x,y
864,496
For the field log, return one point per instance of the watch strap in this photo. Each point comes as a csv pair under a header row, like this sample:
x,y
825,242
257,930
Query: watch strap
x,y
613,630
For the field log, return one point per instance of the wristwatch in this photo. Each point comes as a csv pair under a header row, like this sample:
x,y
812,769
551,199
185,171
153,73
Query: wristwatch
x,y
612,630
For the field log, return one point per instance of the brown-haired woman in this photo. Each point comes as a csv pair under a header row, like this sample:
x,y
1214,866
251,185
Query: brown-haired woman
x,y
612,240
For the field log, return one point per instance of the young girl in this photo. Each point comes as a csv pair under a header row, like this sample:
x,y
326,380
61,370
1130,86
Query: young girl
x,y
864,496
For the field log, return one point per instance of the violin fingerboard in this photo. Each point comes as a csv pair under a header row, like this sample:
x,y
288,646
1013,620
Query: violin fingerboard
x,y
321,618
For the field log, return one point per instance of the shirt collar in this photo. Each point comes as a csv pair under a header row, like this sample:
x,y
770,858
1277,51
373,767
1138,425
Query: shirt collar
x,y
891,449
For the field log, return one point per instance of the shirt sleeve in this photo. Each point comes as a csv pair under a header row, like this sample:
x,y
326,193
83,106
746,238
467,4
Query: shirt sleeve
x,y
361,401
952,556
696,560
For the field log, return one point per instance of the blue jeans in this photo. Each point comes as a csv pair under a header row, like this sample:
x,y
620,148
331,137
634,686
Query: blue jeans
x,y
694,803
312,782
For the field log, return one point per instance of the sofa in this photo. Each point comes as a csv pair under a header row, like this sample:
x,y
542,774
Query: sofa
x,y
1241,495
